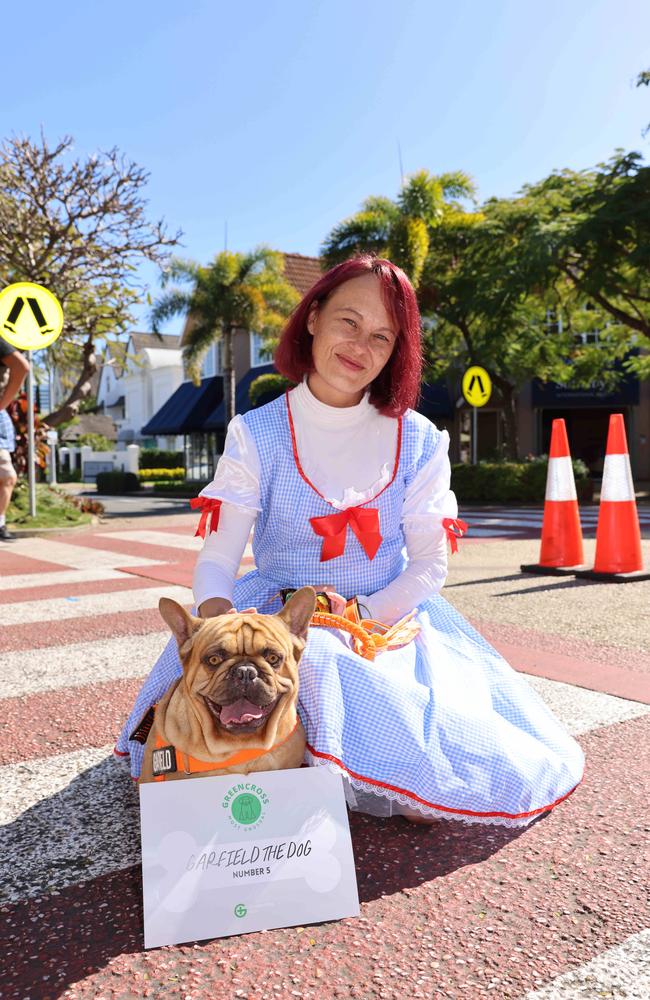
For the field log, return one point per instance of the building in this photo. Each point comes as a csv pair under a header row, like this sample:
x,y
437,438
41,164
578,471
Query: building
x,y
197,412
136,378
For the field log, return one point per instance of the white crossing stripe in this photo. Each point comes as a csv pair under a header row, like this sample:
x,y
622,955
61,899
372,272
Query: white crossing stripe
x,y
24,580
30,671
77,556
60,608
622,973
168,539
89,805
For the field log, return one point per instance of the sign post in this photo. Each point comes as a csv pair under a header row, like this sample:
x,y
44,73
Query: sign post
x,y
477,389
31,318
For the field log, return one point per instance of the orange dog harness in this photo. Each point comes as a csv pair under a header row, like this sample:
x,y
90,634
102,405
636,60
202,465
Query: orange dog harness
x,y
171,759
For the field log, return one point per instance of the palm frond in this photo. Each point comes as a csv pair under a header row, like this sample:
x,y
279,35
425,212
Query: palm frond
x,y
173,303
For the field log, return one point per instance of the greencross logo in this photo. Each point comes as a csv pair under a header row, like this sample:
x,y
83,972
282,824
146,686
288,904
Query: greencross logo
x,y
245,803
240,910
246,809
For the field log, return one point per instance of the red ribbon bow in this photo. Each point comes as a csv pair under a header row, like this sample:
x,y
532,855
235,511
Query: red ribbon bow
x,y
209,508
332,528
455,529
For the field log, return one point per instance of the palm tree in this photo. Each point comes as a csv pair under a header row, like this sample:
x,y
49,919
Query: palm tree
x,y
401,229
236,291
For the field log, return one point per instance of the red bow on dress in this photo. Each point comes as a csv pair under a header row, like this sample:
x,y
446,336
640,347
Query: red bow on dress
x,y
209,508
332,528
455,529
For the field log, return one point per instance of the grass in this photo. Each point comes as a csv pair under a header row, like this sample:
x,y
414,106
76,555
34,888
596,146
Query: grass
x,y
54,508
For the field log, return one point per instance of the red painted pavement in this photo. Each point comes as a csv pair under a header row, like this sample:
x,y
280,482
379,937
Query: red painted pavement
x,y
17,594
583,673
13,564
55,722
178,573
130,547
447,911
42,635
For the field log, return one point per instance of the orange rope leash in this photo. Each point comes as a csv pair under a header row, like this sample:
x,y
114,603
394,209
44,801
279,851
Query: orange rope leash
x,y
370,637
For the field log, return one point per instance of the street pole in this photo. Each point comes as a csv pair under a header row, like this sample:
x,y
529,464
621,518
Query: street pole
x,y
31,470
474,435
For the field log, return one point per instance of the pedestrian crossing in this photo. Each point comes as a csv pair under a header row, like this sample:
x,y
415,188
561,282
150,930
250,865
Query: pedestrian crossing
x,y
526,522
443,905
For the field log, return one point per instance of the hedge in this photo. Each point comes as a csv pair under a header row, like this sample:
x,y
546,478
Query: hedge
x,y
151,475
158,458
503,482
117,482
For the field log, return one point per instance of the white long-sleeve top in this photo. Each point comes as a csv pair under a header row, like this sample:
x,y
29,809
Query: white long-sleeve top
x,y
348,453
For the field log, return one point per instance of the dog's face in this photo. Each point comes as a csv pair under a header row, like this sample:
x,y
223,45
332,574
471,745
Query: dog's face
x,y
241,670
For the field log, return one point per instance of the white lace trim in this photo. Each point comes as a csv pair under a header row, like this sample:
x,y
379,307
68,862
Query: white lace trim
x,y
355,498
412,805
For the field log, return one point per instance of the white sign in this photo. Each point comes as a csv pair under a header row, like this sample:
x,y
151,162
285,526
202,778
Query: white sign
x,y
239,853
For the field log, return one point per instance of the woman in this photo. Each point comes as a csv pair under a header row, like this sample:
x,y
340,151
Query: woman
x,y
348,490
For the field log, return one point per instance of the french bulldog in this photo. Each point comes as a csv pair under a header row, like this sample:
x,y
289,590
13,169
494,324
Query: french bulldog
x,y
233,710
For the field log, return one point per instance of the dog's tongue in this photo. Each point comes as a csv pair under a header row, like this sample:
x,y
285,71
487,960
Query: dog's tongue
x,y
240,711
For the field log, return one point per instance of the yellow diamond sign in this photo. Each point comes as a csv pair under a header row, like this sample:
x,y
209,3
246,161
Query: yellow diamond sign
x,y
477,386
31,317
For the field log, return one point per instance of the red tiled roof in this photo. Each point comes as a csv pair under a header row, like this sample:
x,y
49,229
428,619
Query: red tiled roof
x,y
302,272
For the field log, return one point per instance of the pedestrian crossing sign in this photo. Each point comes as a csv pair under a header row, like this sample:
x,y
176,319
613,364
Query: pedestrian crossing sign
x,y
31,317
477,386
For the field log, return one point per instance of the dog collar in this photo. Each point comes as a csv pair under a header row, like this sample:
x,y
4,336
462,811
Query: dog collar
x,y
167,759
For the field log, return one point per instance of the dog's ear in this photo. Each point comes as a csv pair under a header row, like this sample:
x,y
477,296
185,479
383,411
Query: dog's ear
x,y
297,612
183,625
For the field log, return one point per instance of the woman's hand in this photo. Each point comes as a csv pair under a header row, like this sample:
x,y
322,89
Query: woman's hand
x,y
337,602
216,606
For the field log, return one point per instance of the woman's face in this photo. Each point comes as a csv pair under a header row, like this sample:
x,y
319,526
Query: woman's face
x,y
354,336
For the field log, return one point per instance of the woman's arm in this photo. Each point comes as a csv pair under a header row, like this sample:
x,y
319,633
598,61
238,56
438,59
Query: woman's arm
x,y
218,561
236,485
427,501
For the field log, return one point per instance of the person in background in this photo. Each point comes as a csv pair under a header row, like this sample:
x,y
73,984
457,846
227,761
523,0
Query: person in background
x,y
17,367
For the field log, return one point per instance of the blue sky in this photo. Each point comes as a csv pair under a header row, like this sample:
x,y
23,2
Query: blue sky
x,y
280,117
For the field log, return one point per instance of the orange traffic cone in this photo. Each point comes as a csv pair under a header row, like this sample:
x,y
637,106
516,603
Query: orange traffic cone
x,y
561,549
618,536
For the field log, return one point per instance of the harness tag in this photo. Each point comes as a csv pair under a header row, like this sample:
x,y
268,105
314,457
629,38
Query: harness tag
x,y
141,731
163,761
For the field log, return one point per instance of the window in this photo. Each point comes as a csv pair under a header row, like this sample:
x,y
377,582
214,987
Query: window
x,y
258,355
553,321
212,364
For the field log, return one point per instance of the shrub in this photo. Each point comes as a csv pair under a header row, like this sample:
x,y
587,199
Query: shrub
x,y
506,482
150,475
98,442
157,458
117,482
184,489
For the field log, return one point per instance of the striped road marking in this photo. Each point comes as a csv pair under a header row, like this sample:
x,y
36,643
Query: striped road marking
x,y
553,912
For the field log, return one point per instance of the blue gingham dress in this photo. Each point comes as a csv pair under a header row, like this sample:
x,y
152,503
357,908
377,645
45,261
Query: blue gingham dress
x,y
442,727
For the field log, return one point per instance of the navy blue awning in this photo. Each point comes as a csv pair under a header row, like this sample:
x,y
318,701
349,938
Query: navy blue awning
x,y
186,409
217,418
552,394
435,401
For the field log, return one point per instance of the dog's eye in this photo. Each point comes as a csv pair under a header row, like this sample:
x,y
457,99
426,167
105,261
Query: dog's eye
x,y
273,659
216,657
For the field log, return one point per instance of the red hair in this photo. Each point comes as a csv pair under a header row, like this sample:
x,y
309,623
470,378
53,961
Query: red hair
x,y
397,386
